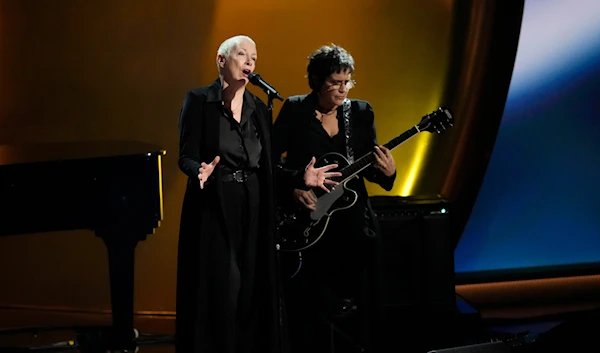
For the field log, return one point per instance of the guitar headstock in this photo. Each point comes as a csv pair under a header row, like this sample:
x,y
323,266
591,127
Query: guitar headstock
x,y
437,121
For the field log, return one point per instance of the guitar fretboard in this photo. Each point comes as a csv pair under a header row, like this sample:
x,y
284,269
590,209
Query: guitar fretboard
x,y
368,159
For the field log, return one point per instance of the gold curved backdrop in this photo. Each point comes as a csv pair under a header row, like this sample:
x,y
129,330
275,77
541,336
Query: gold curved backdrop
x,y
73,70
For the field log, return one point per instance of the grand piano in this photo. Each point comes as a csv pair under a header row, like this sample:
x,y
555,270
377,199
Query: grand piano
x,y
112,188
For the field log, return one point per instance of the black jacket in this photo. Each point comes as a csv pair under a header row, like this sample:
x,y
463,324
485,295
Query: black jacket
x,y
202,218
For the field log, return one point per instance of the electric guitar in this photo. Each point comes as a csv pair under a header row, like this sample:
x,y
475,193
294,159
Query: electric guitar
x,y
301,228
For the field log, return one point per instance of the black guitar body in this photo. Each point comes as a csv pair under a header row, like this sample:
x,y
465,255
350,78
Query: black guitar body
x,y
301,228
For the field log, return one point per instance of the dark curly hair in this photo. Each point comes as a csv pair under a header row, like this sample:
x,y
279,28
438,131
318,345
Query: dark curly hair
x,y
325,61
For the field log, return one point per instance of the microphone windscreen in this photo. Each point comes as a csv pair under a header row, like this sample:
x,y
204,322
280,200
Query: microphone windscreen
x,y
254,78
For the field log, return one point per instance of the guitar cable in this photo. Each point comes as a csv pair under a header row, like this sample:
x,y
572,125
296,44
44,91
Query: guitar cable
x,y
299,264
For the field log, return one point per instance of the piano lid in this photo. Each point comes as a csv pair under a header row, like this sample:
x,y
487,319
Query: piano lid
x,y
59,151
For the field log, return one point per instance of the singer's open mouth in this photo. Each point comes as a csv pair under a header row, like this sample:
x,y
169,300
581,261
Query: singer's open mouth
x,y
246,72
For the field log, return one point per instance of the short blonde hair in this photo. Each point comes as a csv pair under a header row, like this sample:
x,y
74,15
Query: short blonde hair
x,y
230,44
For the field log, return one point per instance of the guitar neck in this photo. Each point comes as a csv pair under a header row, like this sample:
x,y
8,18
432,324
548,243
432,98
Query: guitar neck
x,y
368,159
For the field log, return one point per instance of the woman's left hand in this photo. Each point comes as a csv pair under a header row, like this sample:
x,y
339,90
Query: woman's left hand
x,y
318,177
385,160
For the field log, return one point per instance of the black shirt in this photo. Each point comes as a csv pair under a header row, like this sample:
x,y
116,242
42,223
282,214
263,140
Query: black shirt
x,y
320,141
239,145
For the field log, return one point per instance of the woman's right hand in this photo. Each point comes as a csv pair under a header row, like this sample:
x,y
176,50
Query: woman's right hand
x,y
206,170
306,199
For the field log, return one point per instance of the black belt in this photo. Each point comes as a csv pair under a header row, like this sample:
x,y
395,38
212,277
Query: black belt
x,y
238,176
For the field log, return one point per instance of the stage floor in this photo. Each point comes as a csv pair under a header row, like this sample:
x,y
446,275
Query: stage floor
x,y
572,331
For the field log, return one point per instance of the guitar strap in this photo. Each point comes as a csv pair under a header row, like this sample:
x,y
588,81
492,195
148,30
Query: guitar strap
x,y
369,226
346,111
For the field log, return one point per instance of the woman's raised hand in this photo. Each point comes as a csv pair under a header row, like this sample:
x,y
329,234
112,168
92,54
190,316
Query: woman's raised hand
x,y
318,177
206,170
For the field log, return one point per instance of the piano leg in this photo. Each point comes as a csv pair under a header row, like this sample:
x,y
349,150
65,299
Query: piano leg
x,y
121,263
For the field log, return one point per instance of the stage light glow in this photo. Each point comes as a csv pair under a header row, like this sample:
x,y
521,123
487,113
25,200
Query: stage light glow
x,y
419,157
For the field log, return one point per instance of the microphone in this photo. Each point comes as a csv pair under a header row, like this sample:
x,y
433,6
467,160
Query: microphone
x,y
256,80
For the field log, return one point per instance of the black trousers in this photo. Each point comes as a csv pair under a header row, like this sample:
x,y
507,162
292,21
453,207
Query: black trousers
x,y
333,270
231,286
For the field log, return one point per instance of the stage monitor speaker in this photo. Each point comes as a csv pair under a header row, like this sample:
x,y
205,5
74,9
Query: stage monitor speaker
x,y
418,272
418,256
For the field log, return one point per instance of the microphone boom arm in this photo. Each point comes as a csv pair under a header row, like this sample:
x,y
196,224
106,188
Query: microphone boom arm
x,y
271,92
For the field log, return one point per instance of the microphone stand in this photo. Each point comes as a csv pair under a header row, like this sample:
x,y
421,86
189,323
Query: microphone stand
x,y
279,287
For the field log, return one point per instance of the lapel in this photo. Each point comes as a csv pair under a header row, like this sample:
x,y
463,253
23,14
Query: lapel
x,y
248,107
212,119
264,123
261,117
212,115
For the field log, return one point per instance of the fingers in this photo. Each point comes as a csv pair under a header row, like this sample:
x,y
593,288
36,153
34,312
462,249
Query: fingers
x,y
380,152
332,174
322,186
385,160
328,167
309,205
311,163
385,150
307,199
379,159
310,197
206,169
384,153
388,156
212,164
330,182
201,177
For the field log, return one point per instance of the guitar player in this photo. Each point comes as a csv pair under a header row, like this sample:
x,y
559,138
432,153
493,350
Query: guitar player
x,y
338,272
